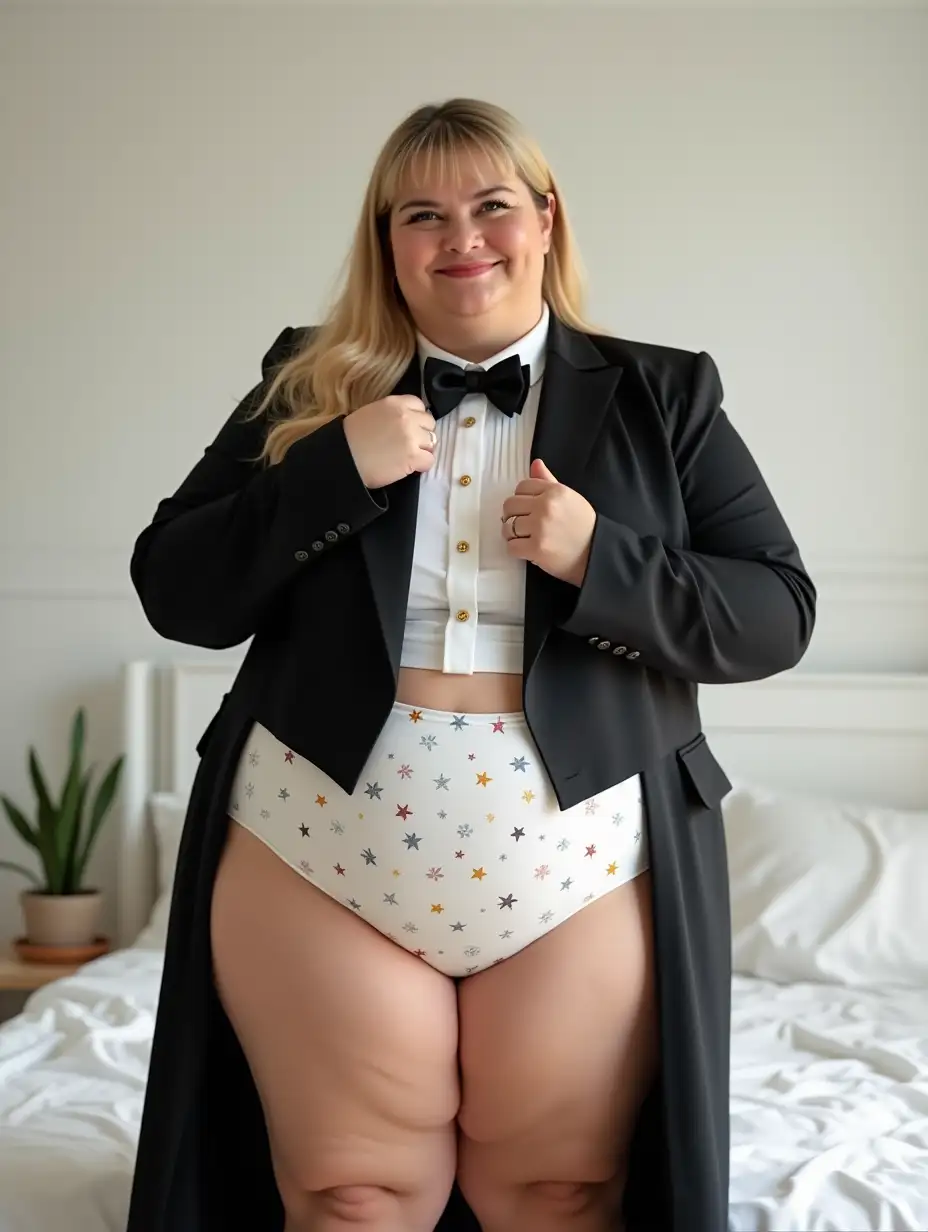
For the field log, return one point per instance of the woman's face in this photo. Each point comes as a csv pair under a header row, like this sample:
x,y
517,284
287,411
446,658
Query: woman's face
x,y
469,255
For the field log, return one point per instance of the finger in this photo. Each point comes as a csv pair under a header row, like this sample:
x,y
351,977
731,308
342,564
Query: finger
x,y
539,470
517,504
408,402
521,549
532,487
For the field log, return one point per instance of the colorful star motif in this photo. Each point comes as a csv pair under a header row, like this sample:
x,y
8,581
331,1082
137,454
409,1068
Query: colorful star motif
x,y
478,874
415,716
288,757
403,810
321,801
339,870
437,909
519,763
483,778
612,869
374,790
528,796
412,841
499,725
507,901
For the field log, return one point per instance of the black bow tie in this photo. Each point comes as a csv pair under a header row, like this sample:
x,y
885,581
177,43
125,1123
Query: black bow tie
x,y
505,384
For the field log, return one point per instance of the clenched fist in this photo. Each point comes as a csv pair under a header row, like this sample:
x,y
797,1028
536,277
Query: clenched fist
x,y
391,438
549,524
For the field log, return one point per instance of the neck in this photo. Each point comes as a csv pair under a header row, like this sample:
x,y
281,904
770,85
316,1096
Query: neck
x,y
476,338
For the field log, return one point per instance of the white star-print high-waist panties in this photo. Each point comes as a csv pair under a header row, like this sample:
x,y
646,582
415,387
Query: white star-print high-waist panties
x,y
452,844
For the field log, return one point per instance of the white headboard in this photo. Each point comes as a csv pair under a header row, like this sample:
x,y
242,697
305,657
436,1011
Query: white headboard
x,y
854,737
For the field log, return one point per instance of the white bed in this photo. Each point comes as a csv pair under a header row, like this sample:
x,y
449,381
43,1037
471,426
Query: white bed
x,y
830,1028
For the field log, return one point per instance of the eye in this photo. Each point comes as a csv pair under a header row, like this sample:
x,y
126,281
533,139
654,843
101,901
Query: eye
x,y
420,216
495,201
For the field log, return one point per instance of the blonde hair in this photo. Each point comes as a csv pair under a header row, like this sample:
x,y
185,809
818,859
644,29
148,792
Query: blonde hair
x,y
365,344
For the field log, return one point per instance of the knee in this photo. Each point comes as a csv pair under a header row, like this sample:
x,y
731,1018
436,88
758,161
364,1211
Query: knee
x,y
341,1206
563,1197
363,1205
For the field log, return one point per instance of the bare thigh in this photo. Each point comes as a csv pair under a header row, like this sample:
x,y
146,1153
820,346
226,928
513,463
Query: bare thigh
x,y
558,1051
352,1044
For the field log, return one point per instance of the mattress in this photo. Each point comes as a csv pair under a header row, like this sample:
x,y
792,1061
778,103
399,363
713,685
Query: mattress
x,y
829,1103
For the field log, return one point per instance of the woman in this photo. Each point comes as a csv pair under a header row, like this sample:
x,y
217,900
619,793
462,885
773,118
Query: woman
x,y
450,937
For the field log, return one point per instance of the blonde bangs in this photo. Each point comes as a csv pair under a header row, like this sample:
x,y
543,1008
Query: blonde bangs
x,y
445,154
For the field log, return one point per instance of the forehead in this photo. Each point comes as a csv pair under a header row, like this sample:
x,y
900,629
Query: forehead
x,y
446,174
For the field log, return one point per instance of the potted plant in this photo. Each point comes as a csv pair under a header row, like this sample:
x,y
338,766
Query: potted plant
x,y
61,911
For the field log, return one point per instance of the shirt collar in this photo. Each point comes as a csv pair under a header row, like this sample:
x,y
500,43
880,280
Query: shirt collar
x,y
531,349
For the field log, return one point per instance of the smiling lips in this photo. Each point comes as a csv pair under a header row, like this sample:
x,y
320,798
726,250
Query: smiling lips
x,y
473,269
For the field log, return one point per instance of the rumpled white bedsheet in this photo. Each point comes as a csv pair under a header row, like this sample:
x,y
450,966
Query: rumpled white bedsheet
x,y
829,1108
829,1104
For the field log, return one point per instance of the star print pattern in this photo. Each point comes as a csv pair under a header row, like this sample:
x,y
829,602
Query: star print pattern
x,y
458,886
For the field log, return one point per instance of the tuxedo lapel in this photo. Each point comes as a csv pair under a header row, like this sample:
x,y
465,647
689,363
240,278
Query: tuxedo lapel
x,y
387,544
579,387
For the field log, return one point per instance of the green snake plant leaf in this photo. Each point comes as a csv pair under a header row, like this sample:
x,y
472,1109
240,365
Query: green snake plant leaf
x,y
21,868
46,830
20,824
70,878
101,805
67,829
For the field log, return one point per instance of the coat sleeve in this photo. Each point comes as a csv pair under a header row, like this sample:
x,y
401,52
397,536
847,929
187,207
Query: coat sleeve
x,y
221,550
737,603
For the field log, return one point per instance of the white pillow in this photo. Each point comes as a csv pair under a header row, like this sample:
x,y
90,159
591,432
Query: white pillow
x,y
167,814
827,891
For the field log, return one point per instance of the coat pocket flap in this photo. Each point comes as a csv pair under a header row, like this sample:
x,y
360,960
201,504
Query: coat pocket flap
x,y
708,779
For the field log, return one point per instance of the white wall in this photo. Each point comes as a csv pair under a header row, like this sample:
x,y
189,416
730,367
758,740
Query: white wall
x,y
180,181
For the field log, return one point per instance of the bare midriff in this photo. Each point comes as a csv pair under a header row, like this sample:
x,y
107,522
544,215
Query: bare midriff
x,y
482,693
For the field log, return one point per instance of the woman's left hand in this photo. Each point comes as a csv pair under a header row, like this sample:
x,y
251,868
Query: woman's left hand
x,y
552,525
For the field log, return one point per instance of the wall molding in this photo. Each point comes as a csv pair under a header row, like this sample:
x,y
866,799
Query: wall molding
x,y
94,575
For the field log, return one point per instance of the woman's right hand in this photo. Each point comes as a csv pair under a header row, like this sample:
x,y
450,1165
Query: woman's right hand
x,y
391,438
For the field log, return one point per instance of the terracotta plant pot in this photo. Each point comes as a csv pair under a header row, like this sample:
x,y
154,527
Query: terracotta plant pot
x,y
61,919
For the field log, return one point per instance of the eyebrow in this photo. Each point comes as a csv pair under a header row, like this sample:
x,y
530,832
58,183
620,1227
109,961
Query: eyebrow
x,y
434,205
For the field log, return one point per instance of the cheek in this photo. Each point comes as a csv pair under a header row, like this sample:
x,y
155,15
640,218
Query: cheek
x,y
413,251
518,238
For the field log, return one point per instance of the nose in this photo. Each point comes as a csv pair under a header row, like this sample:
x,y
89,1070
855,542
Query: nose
x,y
463,235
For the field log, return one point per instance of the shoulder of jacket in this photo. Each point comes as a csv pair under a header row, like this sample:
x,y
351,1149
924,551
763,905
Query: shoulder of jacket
x,y
287,343
646,356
